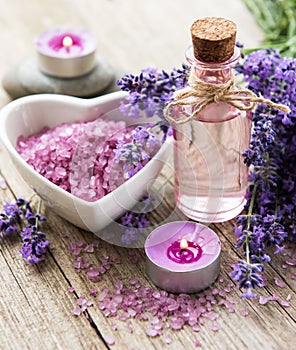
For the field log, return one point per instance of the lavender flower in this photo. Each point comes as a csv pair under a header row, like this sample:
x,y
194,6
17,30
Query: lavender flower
x,y
9,219
34,245
34,242
272,191
248,276
136,221
137,153
150,92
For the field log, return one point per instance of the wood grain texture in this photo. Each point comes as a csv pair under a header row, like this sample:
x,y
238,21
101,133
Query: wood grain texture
x,y
35,305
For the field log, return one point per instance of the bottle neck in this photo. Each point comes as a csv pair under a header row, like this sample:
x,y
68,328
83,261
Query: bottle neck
x,y
213,72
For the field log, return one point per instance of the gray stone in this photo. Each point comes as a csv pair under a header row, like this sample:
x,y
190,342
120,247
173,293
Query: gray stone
x,y
27,79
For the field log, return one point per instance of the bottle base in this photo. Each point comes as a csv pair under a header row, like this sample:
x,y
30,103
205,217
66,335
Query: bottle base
x,y
223,213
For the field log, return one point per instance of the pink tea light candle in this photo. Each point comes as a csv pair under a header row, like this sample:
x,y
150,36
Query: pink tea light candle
x,y
183,256
66,52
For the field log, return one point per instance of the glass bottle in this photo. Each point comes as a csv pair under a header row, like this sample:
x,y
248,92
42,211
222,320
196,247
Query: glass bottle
x,y
210,176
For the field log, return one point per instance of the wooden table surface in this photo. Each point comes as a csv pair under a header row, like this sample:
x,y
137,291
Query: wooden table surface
x,y
35,304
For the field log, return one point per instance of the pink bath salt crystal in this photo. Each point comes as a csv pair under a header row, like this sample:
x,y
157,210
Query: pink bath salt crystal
x,y
109,339
197,344
93,274
215,326
215,291
279,283
245,313
155,320
133,281
118,284
151,332
289,297
76,311
228,288
103,295
221,280
285,303
264,300
196,328
3,184
81,301
71,289
167,339
114,327
176,323
222,294
89,248
93,292
291,262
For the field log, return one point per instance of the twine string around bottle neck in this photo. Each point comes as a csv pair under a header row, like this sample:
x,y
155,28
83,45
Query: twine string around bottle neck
x,y
201,93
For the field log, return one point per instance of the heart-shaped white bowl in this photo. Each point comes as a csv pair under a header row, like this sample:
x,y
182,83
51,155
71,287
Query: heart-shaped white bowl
x,y
30,114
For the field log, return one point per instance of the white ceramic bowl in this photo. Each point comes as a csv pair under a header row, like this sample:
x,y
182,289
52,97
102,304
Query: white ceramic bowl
x,y
30,114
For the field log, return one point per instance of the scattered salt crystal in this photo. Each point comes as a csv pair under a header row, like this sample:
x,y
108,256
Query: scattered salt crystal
x,y
279,283
118,284
109,339
215,291
196,328
215,326
167,339
245,313
129,330
291,262
76,311
197,344
3,184
93,292
285,303
228,288
288,297
133,281
71,289
221,280
89,248
114,327
103,295
176,323
264,300
93,274
151,332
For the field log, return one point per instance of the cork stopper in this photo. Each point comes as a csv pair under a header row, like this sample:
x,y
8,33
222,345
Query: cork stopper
x,y
213,39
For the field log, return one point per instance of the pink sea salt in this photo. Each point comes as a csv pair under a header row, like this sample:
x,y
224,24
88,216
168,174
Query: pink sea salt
x,y
279,283
109,339
79,157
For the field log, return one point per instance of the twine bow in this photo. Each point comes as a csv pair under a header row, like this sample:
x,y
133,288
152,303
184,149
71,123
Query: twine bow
x,y
201,93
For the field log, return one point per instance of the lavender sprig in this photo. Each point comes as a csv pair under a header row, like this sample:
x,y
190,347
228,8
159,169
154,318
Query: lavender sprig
x,y
272,191
150,92
34,244
134,154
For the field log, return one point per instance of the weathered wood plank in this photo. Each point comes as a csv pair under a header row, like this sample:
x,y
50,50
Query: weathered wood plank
x,y
35,306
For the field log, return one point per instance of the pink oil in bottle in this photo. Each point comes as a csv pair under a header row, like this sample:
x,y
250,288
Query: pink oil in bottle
x,y
210,176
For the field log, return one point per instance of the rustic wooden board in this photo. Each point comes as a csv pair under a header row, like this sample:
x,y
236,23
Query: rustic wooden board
x,y
35,305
